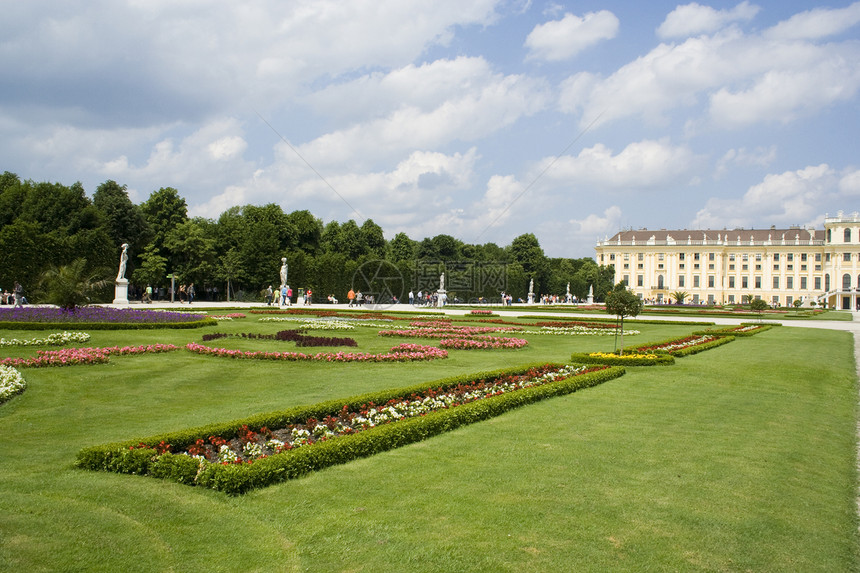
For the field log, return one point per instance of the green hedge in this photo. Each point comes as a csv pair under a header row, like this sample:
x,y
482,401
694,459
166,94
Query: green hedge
x,y
235,479
730,330
659,359
11,325
681,352
589,318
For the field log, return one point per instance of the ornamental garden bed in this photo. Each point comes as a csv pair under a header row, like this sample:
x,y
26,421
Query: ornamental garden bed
x,y
98,318
744,329
631,359
684,345
235,457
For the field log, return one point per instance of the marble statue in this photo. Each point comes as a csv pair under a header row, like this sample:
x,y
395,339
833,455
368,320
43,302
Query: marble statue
x,y
123,261
283,271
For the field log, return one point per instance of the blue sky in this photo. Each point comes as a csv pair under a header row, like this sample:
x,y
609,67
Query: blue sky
x,y
483,120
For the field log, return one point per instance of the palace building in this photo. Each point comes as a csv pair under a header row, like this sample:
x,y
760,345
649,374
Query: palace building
x,y
780,266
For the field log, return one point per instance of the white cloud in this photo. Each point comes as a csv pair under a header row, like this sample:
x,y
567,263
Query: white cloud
x,y
817,23
599,225
783,95
692,19
563,39
745,79
426,106
786,198
849,184
758,157
640,165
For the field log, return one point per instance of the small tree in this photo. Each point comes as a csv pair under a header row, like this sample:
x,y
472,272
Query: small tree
x,y
622,302
680,296
759,305
71,285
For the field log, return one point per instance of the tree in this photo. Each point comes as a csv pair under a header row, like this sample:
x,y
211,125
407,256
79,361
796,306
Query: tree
x,y
70,286
163,211
373,238
401,248
759,305
193,251
623,302
680,296
123,220
152,269
526,251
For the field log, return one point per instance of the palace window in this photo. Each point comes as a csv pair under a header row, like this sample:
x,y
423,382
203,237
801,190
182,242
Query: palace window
x,y
789,282
710,281
775,282
731,282
695,281
847,235
802,283
758,282
745,282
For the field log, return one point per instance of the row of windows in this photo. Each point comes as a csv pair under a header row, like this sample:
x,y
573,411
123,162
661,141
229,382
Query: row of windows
x,y
732,256
745,282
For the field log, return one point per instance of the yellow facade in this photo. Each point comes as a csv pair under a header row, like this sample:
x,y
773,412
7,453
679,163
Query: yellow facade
x,y
780,266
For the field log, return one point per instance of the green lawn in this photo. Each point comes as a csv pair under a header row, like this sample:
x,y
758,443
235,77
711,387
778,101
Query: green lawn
x,y
740,458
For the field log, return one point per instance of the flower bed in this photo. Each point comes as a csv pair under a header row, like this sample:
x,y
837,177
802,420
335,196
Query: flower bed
x,y
740,330
11,383
448,331
580,331
343,430
632,359
97,318
482,312
482,342
56,339
301,340
230,316
76,356
399,353
685,345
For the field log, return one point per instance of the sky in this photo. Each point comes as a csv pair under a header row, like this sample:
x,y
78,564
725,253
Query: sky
x,y
483,120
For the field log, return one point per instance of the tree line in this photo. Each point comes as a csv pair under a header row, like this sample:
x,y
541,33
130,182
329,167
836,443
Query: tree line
x,y
46,226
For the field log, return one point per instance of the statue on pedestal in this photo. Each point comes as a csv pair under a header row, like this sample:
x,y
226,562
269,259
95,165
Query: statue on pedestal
x,y
123,261
283,272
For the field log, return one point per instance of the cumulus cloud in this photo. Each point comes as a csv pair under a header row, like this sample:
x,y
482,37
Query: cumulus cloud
x,y
563,39
792,197
758,157
437,103
162,69
817,23
742,78
692,19
640,165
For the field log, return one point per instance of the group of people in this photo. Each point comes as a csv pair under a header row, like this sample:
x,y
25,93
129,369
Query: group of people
x,y
284,296
15,297
428,298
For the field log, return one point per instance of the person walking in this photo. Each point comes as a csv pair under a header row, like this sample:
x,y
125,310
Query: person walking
x,y
351,297
18,291
269,294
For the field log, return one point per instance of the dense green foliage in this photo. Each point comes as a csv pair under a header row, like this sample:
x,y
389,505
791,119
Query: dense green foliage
x,y
49,225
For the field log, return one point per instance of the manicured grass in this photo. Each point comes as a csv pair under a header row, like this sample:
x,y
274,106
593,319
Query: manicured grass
x,y
738,458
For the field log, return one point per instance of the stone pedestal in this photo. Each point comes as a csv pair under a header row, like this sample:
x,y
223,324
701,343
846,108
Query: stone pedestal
x,y
121,292
441,297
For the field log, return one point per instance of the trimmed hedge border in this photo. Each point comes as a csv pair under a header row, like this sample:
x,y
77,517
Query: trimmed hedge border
x,y
732,330
608,320
11,325
681,352
658,360
235,479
